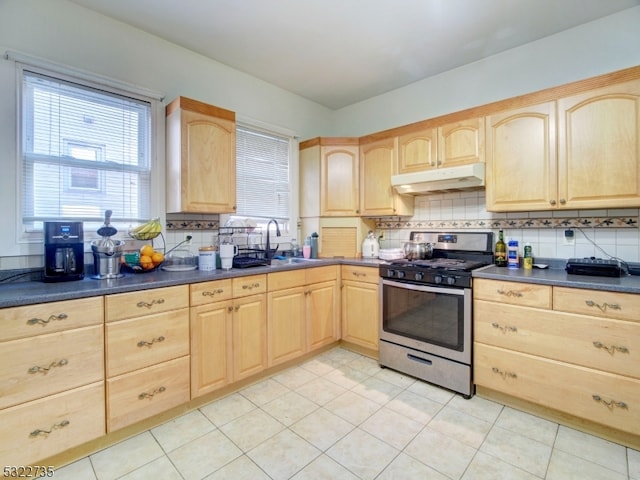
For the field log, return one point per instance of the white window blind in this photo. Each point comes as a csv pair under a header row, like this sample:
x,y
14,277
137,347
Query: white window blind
x,y
262,174
84,150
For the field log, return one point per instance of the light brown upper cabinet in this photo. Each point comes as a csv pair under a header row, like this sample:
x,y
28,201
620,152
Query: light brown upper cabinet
x,y
201,158
578,152
521,159
329,177
599,148
378,198
448,145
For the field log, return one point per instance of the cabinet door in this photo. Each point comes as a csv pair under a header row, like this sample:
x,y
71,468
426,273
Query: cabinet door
x,y
211,347
201,158
461,143
321,307
521,159
249,335
339,195
309,164
599,148
360,312
286,329
417,151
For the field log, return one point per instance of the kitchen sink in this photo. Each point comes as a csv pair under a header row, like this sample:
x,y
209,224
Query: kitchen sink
x,y
291,261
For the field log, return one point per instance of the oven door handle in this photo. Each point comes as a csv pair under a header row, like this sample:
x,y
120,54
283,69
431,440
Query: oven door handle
x,y
424,288
419,359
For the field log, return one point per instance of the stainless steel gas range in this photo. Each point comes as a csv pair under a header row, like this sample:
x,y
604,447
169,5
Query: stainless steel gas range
x,y
426,309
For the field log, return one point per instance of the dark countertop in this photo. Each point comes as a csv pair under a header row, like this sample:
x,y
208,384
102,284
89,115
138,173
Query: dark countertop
x,y
556,275
33,292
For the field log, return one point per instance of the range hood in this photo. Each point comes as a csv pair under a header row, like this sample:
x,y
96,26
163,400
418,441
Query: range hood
x,y
440,179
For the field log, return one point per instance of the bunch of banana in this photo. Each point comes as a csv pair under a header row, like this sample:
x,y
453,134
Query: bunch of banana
x,y
147,231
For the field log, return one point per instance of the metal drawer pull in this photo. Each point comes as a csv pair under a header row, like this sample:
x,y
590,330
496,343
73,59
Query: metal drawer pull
x,y
144,304
611,349
55,426
418,359
611,403
510,293
212,293
251,287
359,274
45,370
144,343
506,329
144,395
41,321
604,306
504,375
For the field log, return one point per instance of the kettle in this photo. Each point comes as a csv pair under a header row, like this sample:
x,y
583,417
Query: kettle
x,y
370,247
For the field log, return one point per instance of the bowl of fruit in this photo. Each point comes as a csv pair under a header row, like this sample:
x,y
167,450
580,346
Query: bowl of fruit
x,y
144,260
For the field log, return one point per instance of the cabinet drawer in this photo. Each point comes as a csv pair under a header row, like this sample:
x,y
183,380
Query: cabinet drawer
x,y
360,274
145,341
526,294
609,345
145,302
141,394
35,367
622,306
19,322
288,279
210,292
252,285
321,274
72,418
605,398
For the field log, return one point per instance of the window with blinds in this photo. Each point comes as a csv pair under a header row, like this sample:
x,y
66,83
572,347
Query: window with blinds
x,y
84,150
262,174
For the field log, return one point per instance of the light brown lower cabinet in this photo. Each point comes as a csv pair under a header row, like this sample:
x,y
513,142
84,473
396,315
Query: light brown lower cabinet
x,y
567,350
360,306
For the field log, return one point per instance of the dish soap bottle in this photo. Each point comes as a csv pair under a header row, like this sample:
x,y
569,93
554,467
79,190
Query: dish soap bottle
x,y
501,251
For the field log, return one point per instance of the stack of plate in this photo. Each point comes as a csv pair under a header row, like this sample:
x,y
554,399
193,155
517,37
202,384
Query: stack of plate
x,y
390,253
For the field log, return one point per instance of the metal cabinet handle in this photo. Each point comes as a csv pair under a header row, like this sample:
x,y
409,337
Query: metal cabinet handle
x,y
509,293
610,348
45,370
211,293
236,308
144,395
359,274
143,304
55,426
552,202
144,343
563,201
603,307
610,404
504,374
42,321
505,329
251,287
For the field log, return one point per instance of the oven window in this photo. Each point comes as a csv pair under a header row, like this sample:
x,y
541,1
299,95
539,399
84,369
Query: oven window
x,y
435,318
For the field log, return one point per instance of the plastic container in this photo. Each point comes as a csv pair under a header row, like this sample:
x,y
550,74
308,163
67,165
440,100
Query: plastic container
x,y
207,258
513,261
306,248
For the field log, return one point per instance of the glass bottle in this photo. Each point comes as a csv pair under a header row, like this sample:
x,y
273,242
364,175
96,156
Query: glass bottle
x,y
501,251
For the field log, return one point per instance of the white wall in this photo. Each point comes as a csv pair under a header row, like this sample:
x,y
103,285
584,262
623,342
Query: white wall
x,y
599,47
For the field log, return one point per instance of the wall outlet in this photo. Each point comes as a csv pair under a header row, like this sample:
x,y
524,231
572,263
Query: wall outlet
x,y
186,238
569,237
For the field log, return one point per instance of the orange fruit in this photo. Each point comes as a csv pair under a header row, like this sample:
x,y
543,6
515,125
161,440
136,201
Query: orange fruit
x,y
145,262
157,258
147,250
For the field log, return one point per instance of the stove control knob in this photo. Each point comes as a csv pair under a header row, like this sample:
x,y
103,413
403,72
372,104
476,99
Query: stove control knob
x,y
451,280
400,274
390,272
419,275
437,279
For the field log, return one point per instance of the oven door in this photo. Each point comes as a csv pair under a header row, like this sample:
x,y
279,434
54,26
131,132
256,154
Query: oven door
x,y
435,320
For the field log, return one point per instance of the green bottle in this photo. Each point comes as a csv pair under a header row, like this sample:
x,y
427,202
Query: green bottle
x,y
501,251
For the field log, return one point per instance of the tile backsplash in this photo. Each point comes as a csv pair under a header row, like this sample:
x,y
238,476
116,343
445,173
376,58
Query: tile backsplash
x,y
597,233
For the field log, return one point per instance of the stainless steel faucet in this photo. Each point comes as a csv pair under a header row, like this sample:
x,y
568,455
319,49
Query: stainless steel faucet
x,y
268,254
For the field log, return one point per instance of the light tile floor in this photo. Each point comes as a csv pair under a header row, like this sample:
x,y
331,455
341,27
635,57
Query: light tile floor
x,y
340,416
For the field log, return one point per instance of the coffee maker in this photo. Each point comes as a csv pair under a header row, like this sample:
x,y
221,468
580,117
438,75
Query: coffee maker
x,y
63,251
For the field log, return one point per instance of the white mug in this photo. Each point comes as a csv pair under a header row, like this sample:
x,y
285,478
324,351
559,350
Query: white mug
x,y
227,252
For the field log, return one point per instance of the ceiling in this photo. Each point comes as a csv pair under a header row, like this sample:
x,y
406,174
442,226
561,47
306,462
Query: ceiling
x,y
339,52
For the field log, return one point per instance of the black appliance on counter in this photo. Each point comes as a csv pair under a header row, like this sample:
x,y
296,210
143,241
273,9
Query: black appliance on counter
x,y
597,267
63,251
426,309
